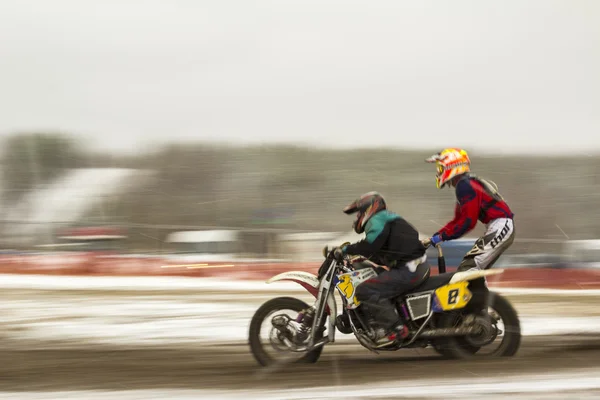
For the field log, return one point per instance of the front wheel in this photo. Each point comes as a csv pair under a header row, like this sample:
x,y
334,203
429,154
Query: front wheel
x,y
284,334
499,322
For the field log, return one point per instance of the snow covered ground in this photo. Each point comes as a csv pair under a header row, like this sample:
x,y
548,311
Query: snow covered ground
x,y
153,310
82,311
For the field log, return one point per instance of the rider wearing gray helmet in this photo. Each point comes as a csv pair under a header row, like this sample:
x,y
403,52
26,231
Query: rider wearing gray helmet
x,y
393,244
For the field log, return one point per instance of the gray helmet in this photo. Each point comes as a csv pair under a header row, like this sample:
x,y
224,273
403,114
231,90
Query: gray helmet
x,y
365,206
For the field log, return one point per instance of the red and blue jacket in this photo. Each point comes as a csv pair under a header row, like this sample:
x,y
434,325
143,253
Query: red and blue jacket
x,y
475,202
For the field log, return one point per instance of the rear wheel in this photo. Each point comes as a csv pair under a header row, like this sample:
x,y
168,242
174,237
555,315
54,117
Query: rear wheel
x,y
497,326
282,343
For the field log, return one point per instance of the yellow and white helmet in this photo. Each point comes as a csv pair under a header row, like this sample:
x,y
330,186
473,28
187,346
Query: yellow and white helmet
x,y
450,162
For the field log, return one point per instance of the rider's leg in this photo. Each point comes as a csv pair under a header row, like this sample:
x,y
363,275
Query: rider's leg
x,y
498,237
377,294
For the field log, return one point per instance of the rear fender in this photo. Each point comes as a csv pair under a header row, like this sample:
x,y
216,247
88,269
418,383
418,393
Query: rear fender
x,y
310,282
455,294
473,274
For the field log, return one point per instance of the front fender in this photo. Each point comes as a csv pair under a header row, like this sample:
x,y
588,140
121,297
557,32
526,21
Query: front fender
x,y
310,282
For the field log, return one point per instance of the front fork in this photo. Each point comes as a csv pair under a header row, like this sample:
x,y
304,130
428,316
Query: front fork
x,y
325,298
325,302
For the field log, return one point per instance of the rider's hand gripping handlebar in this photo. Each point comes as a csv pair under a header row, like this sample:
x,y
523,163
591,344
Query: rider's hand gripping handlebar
x,y
441,259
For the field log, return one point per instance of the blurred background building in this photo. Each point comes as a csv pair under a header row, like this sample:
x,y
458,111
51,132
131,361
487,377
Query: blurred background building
x,y
271,202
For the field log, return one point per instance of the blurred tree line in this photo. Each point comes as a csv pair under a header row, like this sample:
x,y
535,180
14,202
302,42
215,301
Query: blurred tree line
x,y
35,159
301,188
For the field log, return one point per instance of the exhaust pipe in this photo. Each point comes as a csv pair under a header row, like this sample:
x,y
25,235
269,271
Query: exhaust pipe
x,y
444,332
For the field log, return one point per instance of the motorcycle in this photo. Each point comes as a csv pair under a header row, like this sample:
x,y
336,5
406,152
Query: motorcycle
x,y
454,313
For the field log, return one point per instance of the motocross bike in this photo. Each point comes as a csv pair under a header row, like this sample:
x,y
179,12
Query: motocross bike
x,y
454,313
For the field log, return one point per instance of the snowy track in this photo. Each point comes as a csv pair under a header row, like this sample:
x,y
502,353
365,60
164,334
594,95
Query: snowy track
x,y
185,338
153,311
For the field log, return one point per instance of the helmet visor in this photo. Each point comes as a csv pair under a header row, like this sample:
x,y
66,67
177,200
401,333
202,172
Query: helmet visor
x,y
440,170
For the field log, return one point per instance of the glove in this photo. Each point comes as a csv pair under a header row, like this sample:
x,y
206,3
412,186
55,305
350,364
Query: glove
x,y
337,253
327,251
435,240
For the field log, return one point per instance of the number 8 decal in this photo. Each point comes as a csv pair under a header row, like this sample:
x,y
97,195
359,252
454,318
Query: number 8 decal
x,y
452,296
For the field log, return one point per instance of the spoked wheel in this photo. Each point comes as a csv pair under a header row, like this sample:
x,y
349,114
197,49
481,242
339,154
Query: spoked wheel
x,y
497,333
277,338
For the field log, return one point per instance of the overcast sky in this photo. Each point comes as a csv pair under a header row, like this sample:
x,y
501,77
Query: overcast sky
x,y
512,75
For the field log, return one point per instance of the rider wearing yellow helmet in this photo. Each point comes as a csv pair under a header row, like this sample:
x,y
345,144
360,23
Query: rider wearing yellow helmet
x,y
477,199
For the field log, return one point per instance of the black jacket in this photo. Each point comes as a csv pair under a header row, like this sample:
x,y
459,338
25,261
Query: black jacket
x,y
390,241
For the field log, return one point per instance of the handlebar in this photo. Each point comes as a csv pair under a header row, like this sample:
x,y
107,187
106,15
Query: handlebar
x,y
426,243
441,259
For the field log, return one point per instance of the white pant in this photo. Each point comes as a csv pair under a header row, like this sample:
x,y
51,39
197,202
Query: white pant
x,y
498,237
